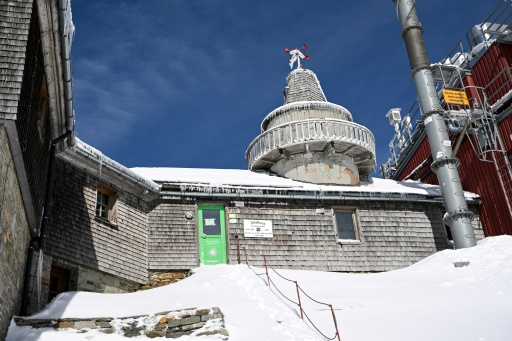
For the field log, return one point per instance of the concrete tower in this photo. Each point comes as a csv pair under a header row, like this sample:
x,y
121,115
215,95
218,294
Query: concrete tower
x,y
311,140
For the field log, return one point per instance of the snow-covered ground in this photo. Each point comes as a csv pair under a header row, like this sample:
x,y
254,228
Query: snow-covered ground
x,y
431,300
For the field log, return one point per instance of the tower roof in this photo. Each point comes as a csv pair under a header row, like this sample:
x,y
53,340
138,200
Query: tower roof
x,y
303,86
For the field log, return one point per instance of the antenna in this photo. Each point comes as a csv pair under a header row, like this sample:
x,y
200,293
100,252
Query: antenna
x,y
296,56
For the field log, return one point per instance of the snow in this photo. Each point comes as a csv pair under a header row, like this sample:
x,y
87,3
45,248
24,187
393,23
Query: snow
x,y
195,177
430,300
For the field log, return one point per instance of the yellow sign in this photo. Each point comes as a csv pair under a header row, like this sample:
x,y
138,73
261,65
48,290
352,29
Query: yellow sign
x,y
455,97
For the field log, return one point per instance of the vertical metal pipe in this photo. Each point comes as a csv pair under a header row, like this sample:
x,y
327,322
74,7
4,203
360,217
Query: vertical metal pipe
x,y
458,217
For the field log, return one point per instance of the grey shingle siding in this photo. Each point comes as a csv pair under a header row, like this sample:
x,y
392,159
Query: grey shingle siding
x,y
393,235
172,238
14,29
76,235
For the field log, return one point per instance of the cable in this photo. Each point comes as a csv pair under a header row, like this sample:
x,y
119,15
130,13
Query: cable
x,y
281,292
289,280
317,328
312,299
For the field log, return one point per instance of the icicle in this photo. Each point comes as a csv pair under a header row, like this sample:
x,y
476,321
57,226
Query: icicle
x,y
101,167
39,275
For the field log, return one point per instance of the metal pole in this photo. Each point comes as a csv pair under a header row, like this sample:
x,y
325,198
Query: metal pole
x,y
298,295
335,322
237,248
246,259
266,270
458,216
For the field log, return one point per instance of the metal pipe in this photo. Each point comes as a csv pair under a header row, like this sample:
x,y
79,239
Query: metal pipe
x,y
44,223
445,165
493,12
28,271
89,152
459,140
66,67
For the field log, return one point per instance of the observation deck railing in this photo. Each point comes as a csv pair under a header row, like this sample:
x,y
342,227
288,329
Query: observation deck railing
x,y
313,130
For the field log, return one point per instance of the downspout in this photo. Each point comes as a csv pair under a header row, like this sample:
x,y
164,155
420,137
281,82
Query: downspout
x,y
65,39
458,216
66,36
39,241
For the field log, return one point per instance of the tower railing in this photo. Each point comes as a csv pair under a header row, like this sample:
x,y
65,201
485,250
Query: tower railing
x,y
290,134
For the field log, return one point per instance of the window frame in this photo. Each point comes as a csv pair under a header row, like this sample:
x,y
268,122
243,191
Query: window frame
x,y
111,209
355,221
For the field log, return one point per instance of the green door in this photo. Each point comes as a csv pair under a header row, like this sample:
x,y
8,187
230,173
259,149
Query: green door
x,y
212,235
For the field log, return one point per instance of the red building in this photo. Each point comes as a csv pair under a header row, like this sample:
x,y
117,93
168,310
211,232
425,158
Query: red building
x,y
475,88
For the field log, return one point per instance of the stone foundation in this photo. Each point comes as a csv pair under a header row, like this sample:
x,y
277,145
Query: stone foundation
x,y
170,324
159,279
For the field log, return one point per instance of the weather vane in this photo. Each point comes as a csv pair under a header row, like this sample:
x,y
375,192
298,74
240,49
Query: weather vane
x,y
296,56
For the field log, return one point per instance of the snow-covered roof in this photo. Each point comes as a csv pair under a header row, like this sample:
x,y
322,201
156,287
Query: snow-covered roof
x,y
195,178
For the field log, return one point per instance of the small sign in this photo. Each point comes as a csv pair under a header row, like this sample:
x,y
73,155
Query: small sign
x,y
258,228
233,220
232,215
239,204
455,96
209,222
447,143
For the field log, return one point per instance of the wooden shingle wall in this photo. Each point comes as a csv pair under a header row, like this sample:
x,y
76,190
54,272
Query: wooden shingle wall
x,y
393,234
173,237
33,113
14,28
77,235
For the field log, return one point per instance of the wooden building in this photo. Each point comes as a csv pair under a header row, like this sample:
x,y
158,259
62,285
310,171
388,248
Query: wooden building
x,y
35,112
74,219
379,226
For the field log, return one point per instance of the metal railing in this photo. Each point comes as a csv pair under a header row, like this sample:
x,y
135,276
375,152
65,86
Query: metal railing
x,y
294,133
499,85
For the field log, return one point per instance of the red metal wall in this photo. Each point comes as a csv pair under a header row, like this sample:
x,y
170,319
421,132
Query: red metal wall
x,y
479,176
476,176
498,57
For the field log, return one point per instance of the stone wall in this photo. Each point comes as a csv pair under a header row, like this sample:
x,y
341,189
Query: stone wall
x,y
159,279
81,279
14,236
170,324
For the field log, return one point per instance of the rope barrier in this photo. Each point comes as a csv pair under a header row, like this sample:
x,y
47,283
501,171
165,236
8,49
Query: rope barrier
x,y
279,291
298,288
312,299
328,338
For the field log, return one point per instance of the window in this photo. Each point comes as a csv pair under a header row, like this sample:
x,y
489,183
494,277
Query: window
x,y
106,203
346,222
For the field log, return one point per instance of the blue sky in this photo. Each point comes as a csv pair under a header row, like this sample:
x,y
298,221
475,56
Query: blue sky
x,y
186,83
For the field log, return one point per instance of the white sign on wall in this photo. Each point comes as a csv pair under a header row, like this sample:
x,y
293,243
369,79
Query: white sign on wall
x,y
258,228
